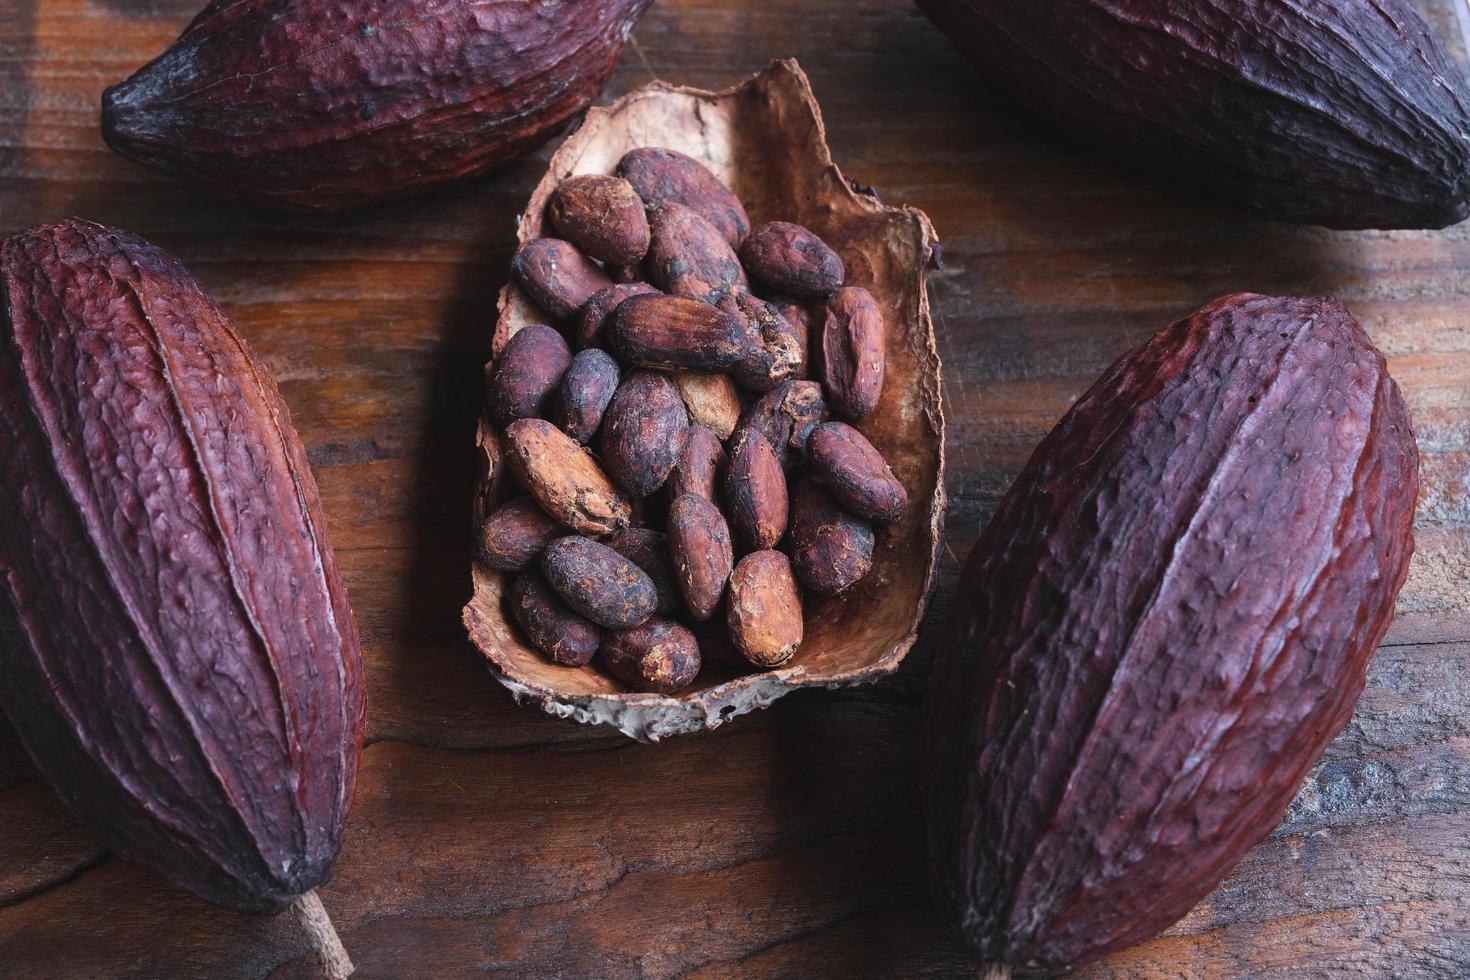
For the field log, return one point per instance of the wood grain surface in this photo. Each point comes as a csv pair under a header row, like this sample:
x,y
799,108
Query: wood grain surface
x,y
488,839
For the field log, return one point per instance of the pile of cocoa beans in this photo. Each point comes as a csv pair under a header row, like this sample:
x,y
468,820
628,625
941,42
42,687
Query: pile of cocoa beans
x,y
684,482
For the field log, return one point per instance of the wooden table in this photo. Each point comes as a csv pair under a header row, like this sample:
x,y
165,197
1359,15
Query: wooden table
x,y
489,839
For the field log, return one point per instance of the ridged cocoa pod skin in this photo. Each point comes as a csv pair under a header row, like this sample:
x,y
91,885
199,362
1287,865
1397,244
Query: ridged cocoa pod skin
x,y
788,258
602,216
853,352
831,550
550,624
659,657
325,106
527,373
764,609
677,334
1166,621
564,478
701,466
643,432
667,176
699,541
649,550
592,320
585,392
688,257
598,583
1347,114
557,277
776,350
855,473
786,416
171,609
755,491
514,535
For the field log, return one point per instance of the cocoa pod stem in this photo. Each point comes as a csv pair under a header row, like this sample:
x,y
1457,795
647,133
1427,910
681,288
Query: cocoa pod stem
x,y
325,943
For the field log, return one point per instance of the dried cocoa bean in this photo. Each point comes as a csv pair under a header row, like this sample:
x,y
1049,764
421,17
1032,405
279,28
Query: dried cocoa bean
x,y
1166,621
755,490
550,624
789,258
623,274
564,478
830,548
649,550
853,352
675,333
659,657
712,399
663,176
764,609
688,257
586,390
855,473
602,216
700,466
526,374
598,583
514,535
786,416
776,349
799,316
556,276
592,321
699,541
643,432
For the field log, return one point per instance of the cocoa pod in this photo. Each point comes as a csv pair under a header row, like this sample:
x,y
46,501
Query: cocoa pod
x,y
679,334
586,390
776,350
526,373
790,259
649,550
830,549
313,107
855,473
1166,621
853,354
712,399
514,535
171,607
1376,108
592,321
602,216
643,432
700,466
799,316
598,583
699,541
556,276
764,609
688,257
550,624
564,478
755,490
659,657
786,416
663,176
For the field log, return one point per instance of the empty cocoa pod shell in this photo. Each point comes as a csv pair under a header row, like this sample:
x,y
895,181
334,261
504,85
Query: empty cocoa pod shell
x,y
790,259
712,399
598,583
514,535
755,490
677,333
699,541
853,352
643,432
855,473
585,391
764,614
659,657
602,216
558,277
649,550
550,624
564,478
831,549
664,176
688,257
527,373
592,321
701,466
786,416
776,349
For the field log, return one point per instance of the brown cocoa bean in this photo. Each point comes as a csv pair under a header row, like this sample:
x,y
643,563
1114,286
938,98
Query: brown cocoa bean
x,y
675,333
592,321
514,535
830,548
556,276
853,352
662,176
643,432
786,416
764,609
776,349
599,583
699,542
799,315
649,550
623,274
526,373
659,657
700,466
789,258
755,490
601,215
712,399
550,624
855,473
585,392
688,257
564,478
